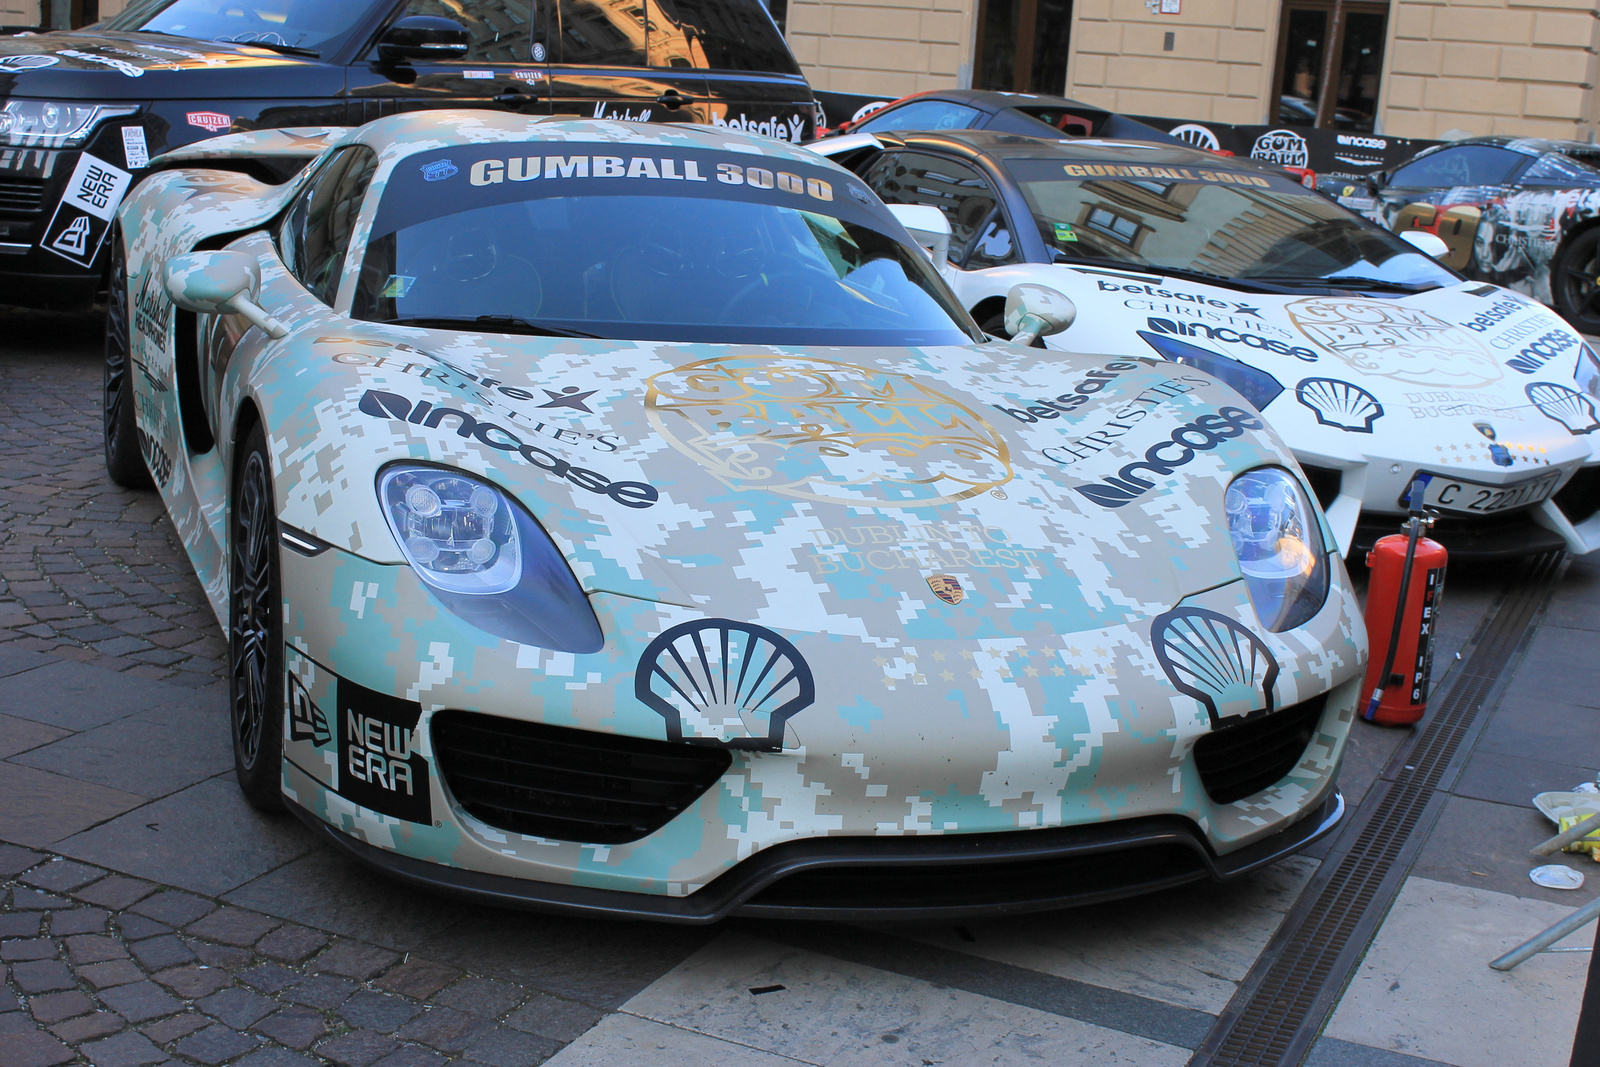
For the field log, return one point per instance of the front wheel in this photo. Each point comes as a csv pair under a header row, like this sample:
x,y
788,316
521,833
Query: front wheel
x,y
255,628
124,463
1575,281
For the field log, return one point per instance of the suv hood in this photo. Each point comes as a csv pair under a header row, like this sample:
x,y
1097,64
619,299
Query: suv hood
x,y
100,65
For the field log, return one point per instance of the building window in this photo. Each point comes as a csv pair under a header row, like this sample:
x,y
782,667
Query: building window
x,y
1330,57
1022,45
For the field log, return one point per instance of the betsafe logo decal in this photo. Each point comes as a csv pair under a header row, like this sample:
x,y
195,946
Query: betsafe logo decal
x,y
384,405
1162,458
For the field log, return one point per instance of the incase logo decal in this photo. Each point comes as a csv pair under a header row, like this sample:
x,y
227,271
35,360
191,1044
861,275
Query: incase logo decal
x,y
1164,457
383,405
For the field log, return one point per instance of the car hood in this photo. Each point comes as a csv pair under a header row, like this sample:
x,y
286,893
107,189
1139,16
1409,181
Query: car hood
x,y
102,65
1466,376
712,476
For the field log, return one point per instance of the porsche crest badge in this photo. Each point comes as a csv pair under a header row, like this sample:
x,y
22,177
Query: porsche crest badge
x,y
947,588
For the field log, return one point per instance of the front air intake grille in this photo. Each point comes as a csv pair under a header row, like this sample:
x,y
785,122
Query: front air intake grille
x,y
21,196
1237,761
570,785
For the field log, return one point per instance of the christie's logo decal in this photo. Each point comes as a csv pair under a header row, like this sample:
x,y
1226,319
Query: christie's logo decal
x,y
1164,457
213,121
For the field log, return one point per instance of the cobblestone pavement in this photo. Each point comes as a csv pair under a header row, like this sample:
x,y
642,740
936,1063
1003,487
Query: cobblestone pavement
x,y
88,571
147,915
120,972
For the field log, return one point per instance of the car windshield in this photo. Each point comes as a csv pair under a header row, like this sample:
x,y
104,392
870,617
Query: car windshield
x,y
312,25
683,245
1228,223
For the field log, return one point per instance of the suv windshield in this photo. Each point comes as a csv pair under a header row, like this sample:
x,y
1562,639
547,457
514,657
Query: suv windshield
x,y
314,25
1224,222
679,245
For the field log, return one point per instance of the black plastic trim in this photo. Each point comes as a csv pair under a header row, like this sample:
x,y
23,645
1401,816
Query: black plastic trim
x,y
732,893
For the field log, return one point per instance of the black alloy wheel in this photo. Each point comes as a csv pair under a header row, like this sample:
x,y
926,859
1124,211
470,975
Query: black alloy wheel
x,y
124,462
1575,281
255,628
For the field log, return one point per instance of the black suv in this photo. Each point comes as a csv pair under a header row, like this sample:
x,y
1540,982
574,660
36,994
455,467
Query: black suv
x,y
83,112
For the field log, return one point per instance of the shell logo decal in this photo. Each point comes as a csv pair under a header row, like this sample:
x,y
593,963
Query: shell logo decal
x,y
1215,660
816,429
1381,338
727,683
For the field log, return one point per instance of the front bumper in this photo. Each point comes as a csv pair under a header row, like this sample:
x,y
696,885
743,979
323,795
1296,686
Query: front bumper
x,y
946,877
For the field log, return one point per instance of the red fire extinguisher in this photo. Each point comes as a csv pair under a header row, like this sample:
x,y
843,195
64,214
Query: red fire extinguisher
x,y
1403,601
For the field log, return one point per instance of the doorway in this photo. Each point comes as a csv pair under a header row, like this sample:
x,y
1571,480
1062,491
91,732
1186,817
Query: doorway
x,y
1022,45
1330,59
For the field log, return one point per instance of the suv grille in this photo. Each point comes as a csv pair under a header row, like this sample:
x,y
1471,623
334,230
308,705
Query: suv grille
x,y
21,196
1237,761
570,785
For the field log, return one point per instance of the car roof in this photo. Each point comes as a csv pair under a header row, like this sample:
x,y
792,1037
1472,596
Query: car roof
x,y
1002,146
996,99
1528,145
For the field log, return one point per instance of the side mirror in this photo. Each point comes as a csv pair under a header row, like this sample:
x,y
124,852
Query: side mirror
x,y
1429,244
426,37
220,283
928,227
1033,311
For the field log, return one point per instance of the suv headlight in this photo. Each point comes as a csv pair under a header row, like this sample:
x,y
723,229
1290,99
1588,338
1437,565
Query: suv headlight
x,y
1278,540
54,124
486,558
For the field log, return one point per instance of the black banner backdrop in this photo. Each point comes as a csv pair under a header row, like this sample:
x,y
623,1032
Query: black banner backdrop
x,y
1337,156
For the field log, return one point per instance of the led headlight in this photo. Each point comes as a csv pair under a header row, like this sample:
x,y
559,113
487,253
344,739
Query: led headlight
x,y
1278,540
486,559
54,124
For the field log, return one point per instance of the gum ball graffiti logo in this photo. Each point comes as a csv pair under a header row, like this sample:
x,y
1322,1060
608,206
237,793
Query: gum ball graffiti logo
x,y
815,429
1383,338
715,681
1216,660
439,170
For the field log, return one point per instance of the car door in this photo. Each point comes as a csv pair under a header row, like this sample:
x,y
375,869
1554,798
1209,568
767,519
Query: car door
x,y
1447,192
621,59
504,67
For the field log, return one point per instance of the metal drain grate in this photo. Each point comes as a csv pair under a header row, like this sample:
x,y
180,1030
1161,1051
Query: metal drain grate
x,y
1283,1002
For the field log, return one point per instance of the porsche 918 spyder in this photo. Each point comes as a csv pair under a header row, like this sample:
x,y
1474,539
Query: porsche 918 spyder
x,y
622,518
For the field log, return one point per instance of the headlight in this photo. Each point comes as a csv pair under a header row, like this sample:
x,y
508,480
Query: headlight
x,y
1278,541
53,124
486,559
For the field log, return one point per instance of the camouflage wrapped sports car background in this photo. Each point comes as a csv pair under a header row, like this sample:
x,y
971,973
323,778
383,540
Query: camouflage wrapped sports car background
x,y
615,517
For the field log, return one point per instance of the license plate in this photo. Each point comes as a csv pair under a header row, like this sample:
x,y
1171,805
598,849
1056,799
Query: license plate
x,y
1476,498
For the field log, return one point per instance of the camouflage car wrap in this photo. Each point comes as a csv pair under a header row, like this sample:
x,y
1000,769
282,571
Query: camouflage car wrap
x,y
960,641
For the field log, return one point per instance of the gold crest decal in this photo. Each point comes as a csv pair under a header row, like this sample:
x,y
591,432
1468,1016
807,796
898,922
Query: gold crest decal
x,y
947,588
817,429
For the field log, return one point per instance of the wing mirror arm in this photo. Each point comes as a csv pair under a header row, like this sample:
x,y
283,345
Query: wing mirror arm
x,y
220,283
1034,311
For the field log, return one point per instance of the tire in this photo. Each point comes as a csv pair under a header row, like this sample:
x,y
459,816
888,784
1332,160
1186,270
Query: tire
x,y
255,628
1575,281
124,463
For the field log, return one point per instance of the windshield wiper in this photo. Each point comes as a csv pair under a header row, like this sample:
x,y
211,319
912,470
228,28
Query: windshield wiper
x,y
283,49
493,323
1189,274
1348,282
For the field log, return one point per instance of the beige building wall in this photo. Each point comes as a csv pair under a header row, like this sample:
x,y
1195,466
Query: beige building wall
x,y
1491,66
881,47
1219,68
